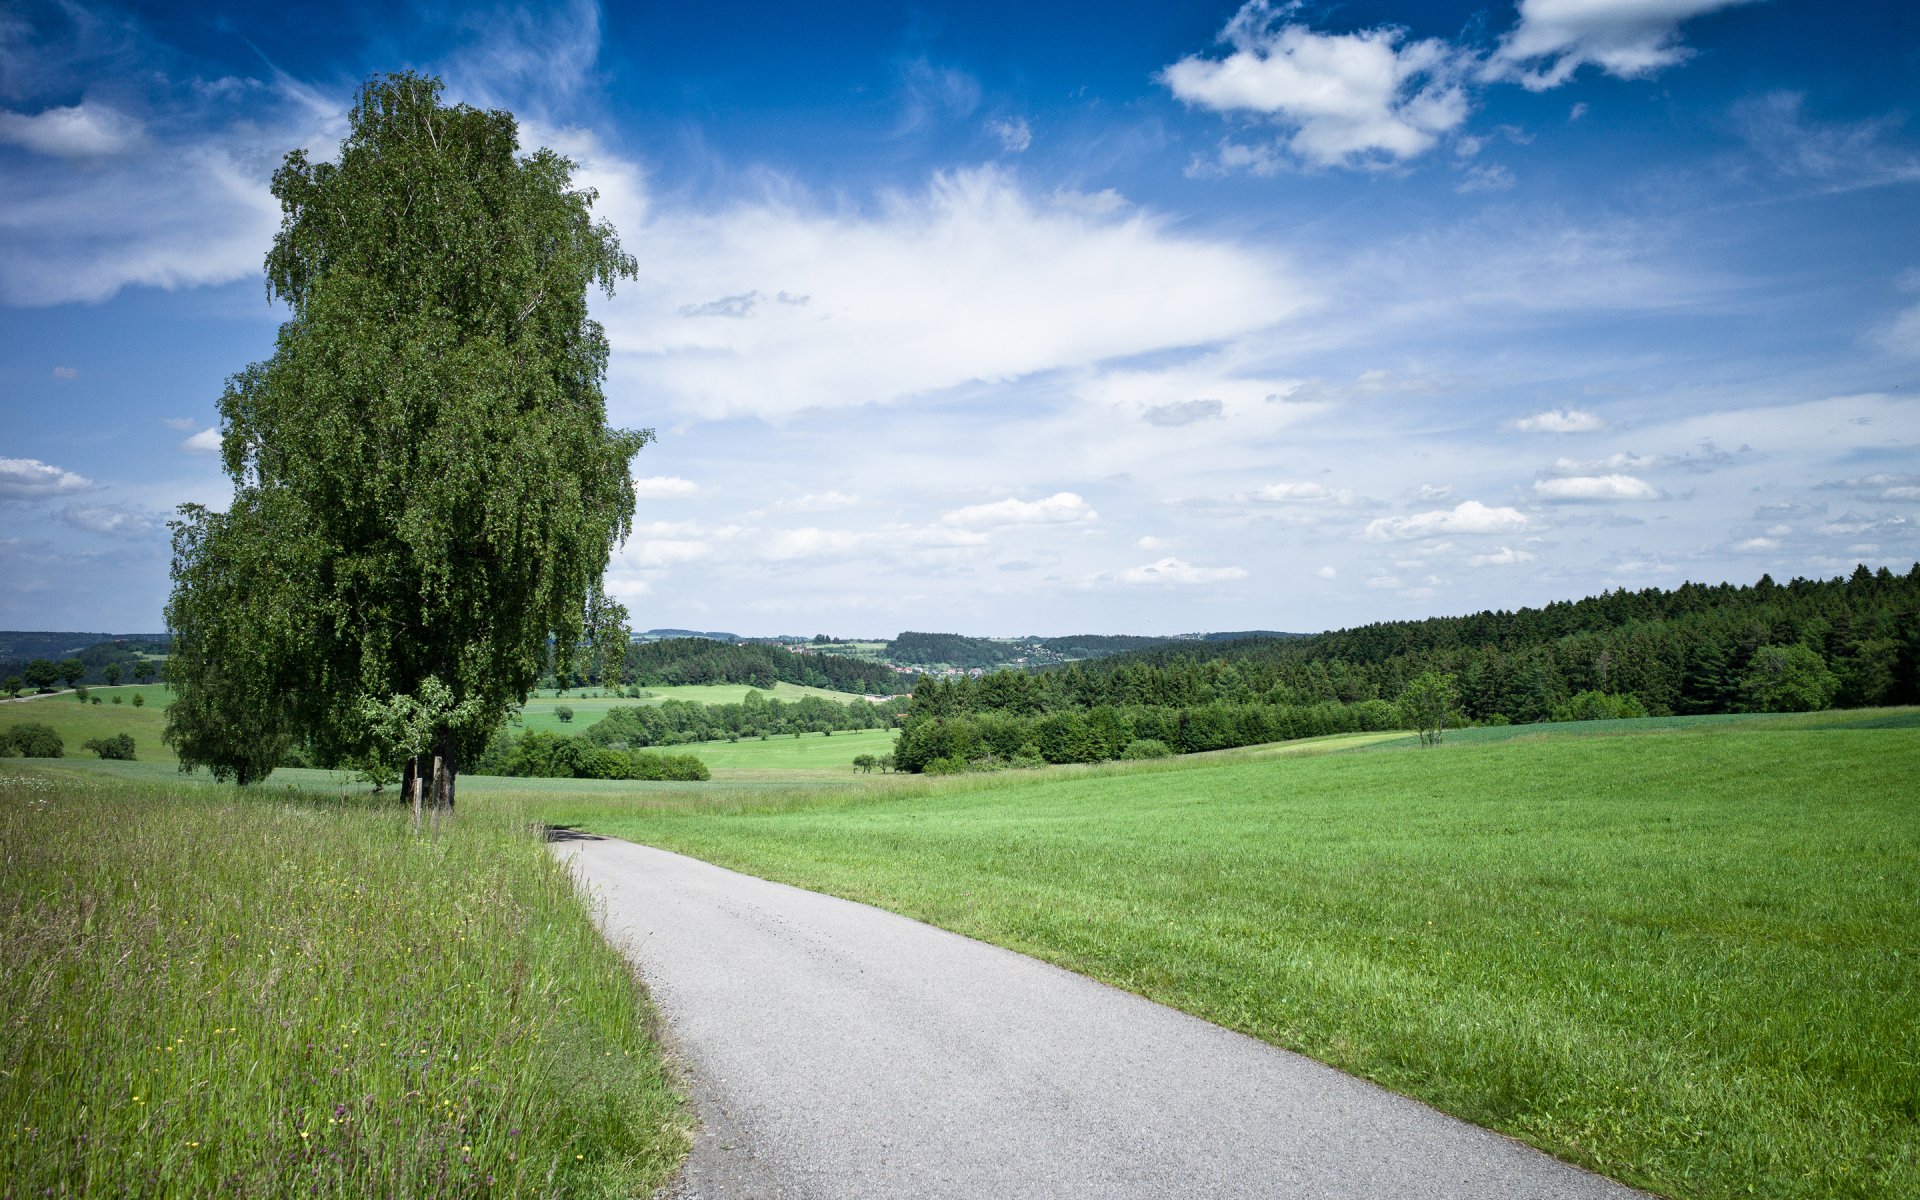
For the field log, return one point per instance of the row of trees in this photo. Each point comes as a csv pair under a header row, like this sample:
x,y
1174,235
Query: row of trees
x,y
41,674
536,754
672,661
681,722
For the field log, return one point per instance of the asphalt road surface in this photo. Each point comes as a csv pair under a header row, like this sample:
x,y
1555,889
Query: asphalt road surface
x,y
839,1052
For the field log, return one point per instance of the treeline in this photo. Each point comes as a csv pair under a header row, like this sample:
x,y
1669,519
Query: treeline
x,y
674,661
119,660
540,755
682,722
952,649
1807,644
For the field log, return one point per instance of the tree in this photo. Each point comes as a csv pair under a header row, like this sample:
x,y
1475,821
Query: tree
x,y
424,475
42,673
563,712
111,673
30,739
15,685
143,671
120,746
1788,679
865,762
1427,705
72,670
138,699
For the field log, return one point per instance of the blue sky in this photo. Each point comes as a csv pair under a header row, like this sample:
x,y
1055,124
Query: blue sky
x,y
1126,318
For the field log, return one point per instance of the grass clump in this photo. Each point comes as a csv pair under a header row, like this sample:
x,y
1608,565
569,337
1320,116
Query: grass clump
x,y
1685,959
214,992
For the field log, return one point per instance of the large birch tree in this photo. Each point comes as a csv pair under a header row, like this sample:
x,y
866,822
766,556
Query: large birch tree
x,y
427,490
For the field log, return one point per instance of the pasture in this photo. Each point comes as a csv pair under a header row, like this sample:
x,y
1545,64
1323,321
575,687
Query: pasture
x,y
590,704
210,992
1683,957
77,721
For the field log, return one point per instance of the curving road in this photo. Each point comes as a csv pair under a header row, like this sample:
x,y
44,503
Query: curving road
x,y
839,1052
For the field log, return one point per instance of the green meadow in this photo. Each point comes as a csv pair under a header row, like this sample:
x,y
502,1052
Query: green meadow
x,y
77,721
1679,953
275,993
590,704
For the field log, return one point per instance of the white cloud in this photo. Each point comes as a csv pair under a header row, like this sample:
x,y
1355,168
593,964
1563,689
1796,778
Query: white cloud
x,y
180,424
1901,493
1505,556
66,373
85,131
31,479
207,441
1486,177
662,552
658,487
1349,99
1628,39
114,520
1560,420
1622,461
1758,543
1015,134
1469,516
1386,583
1058,509
1902,334
1174,571
817,502
1595,487
1842,155
973,280
1150,543
1327,573
1304,493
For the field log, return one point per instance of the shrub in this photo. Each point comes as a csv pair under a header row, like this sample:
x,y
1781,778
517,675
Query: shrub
x,y
31,739
1147,748
564,713
117,698
1026,759
138,700
1598,706
120,746
945,766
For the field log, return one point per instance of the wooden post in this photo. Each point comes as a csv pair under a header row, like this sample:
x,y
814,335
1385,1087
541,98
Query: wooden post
x,y
413,769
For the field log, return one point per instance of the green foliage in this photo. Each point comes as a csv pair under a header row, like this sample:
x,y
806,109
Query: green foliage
x,y
42,673
211,995
144,671
1427,706
15,685
111,673
1141,748
72,670
1596,706
119,746
30,739
139,700
1788,679
865,762
564,713
679,661
425,483
538,754
945,765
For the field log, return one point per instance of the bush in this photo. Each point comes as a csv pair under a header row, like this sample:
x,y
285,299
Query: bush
x,y
1598,706
117,699
1026,759
564,713
138,700
1147,748
945,766
120,746
31,739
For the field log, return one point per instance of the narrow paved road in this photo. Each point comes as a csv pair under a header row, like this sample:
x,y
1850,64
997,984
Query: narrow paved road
x,y
839,1052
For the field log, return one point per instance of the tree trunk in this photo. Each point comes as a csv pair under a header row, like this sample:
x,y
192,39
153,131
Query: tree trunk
x,y
409,771
413,771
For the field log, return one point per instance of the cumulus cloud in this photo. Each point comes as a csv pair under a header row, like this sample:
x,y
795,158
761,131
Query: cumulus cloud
x,y
1628,39
31,479
972,280
1560,420
114,520
207,441
1353,99
1595,487
1505,556
660,487
84,131
1622,461
1469,516
1304,493
1061,508
1173,571
1015,134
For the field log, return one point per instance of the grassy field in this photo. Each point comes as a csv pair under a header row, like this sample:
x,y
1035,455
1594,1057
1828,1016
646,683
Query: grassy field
x,y
214,993
1685,959
808,752
76,722
591,705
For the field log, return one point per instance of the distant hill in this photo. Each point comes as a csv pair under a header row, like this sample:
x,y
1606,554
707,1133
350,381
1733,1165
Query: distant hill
x,y
655,635
1248,633
96,650
671,661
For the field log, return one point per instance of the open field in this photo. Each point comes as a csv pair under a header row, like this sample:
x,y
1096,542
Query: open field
x,y
808,752
215,992
1685,959
76,722
538,713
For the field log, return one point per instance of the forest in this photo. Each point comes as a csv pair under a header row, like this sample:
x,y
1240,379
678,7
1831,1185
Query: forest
x,y
672,661
1807,644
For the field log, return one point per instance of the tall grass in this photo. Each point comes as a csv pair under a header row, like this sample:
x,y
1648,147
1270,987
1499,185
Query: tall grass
x,y
204,991
1686,959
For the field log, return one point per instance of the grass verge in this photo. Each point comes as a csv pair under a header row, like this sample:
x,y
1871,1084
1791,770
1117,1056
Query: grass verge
x,y
268,994
1685,960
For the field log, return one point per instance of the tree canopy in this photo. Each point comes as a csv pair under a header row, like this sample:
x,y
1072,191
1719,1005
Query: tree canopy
x,y
426,486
